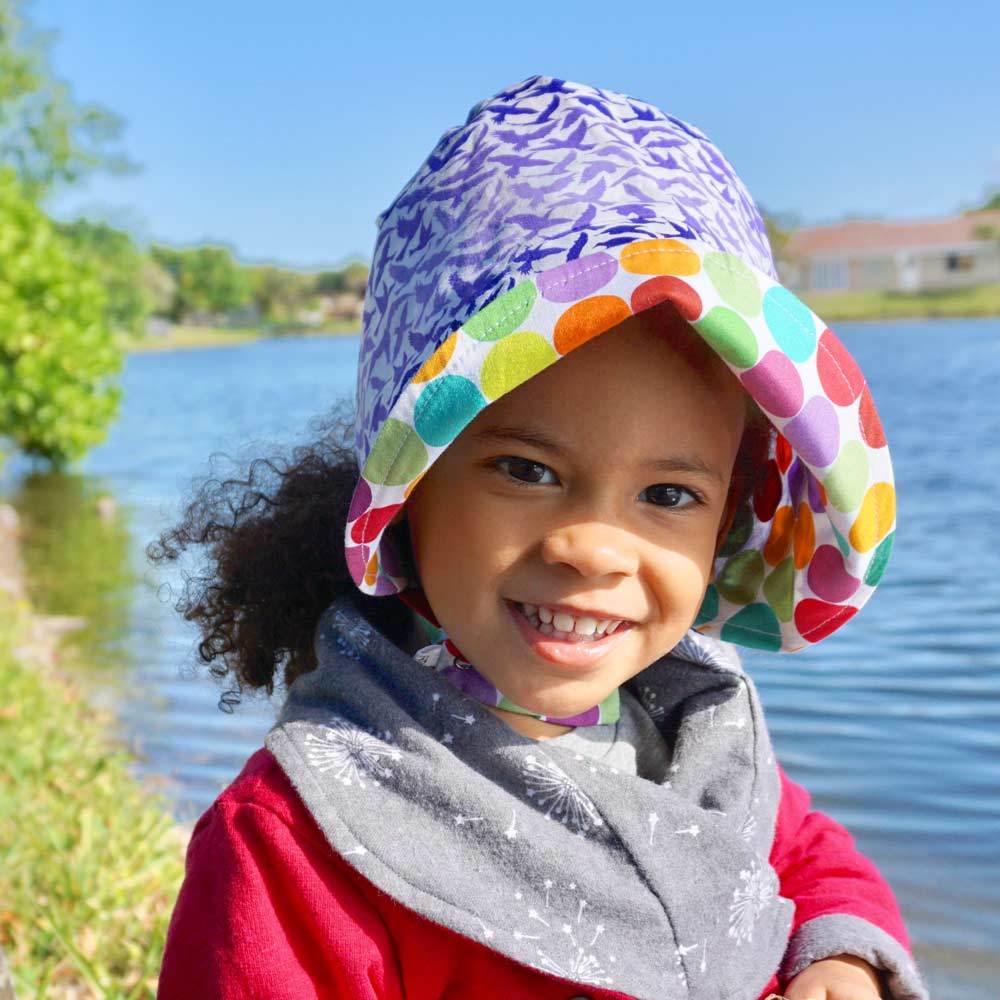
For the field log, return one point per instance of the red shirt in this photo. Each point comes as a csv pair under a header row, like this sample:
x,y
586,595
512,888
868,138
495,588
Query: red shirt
x,y
269,910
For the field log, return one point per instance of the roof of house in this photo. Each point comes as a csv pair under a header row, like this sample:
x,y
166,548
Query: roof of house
x,y
867,236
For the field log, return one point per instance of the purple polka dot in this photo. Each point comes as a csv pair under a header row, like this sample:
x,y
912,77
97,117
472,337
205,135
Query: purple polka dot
x,y
361,500
357,560
815,495
469,680
828,578
577,278
814,434
384,587
591,717
797,475
775,384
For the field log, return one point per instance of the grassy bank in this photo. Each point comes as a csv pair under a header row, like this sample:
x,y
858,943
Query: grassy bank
x,y
979,300
90,863
211,336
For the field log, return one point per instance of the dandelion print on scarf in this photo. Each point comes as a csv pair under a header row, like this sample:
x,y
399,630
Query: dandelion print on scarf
x,y
559,795
351,753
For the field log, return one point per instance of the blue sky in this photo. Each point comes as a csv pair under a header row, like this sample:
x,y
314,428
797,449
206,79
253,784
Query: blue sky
x,y
283,129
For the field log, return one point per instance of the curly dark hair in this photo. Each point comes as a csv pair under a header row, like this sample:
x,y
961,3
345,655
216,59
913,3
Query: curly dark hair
x,y
275,543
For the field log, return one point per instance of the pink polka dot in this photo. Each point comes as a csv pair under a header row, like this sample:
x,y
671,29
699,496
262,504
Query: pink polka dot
x,y
361,500
775,384
828,578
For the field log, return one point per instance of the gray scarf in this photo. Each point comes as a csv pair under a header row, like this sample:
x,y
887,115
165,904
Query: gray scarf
x,y
559,862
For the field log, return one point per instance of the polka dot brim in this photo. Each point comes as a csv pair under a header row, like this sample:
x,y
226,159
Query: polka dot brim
x,y
803,558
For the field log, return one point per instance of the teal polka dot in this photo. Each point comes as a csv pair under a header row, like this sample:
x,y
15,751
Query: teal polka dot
x,y
503,315
709,606
397,456
445,407
755,626
734,281
842,543
791,324
730,335
879,561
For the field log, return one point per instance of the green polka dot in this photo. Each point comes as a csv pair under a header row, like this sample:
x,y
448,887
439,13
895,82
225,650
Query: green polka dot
x,y
445,407
791,323
755,626
739,532
730,335
514,360
845,483
741,577
879,561
734,281
709,606
503,315
842,543
397,455
779,589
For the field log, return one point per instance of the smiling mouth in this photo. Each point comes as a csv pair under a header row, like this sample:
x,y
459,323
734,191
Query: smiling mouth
x,y
559,626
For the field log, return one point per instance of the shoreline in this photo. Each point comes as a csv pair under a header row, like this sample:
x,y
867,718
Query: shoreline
x,y
83,843
182,337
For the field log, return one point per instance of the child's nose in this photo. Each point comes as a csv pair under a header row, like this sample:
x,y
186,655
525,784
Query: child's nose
x,y
593,550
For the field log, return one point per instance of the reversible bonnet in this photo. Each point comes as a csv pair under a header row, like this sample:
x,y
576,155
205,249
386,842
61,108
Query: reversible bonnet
x,y
552,214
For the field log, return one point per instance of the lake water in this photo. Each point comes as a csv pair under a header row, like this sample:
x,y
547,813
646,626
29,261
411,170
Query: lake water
x,y
893,723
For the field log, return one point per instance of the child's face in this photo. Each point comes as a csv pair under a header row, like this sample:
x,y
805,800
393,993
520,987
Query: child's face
x,y
598,488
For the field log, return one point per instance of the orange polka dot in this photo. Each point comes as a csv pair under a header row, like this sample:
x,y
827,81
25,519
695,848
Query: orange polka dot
x,y
409,489
436,363
875,518
780,539
371,570
659,257
805,537
587,319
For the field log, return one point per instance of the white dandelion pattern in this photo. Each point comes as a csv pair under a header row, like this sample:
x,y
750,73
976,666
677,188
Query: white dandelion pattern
x,y
351,753
561,797
567,944
749,901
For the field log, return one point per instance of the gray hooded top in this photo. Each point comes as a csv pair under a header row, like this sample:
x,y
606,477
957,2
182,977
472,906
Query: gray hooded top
x,y
645,872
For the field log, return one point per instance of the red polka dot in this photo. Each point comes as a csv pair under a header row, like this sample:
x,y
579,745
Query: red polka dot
x,y
656,290
782,453
768,494
370,525
871,426
838,372
816,620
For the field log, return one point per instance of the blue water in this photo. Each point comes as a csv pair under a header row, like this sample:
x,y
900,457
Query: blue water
x,y
893,723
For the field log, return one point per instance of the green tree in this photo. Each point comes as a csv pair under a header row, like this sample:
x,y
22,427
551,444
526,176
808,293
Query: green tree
x,y
209,280
992,204
329,283
45,135
119,265
356,278
279,292
57,352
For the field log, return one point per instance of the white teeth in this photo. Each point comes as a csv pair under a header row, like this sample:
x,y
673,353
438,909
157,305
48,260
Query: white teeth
x,y
586,626
529,609
612,626
563,622
545,628
602,627
545,614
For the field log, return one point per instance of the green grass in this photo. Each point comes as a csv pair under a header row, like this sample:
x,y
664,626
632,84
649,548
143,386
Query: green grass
x,y
977,300
210,336
90,863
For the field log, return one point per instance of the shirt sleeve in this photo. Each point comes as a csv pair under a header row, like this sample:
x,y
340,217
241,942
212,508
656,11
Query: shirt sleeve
x,y
263,912
843,905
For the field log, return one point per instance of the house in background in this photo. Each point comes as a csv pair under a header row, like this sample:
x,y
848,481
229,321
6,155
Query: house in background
x,y
894,256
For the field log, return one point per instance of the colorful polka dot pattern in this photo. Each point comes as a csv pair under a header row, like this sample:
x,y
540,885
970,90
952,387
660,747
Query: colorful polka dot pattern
x,y
806,556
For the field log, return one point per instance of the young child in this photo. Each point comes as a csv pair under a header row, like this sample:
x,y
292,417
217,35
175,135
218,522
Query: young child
x,y
596,445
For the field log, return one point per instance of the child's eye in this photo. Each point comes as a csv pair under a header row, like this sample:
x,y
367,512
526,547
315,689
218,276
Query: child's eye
x,y
524,470
670,495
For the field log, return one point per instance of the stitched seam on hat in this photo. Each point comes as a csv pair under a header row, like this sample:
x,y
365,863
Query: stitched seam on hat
x,y
597,267
836,364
